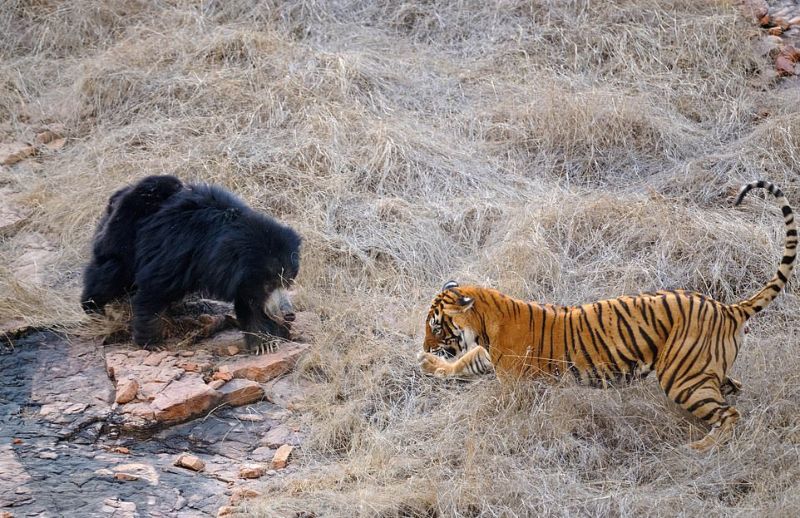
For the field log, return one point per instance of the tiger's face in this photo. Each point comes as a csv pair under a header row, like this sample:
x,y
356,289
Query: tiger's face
x,y
448,332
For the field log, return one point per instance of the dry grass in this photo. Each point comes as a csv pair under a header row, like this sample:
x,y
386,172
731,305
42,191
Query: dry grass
x,y
558,150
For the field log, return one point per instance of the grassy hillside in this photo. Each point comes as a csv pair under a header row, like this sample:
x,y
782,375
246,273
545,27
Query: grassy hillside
x,y
561,151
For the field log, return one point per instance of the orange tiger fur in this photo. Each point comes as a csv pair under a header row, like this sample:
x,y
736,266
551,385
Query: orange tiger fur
x,y
687,338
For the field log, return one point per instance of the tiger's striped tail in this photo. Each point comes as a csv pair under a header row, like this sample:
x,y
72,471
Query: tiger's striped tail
x,y
762,299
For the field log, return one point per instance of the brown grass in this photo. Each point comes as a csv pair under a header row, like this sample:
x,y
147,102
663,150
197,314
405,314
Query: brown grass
x,y
558,150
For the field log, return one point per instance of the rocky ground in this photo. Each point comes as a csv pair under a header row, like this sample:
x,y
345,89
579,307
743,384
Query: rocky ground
x,y
118,431
780,35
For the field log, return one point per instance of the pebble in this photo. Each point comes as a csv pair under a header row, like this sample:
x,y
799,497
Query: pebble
x,y
190,462
223,376
281,457
251,471
126,391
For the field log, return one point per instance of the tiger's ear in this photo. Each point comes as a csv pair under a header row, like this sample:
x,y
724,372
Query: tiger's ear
x,y
462,305
449,284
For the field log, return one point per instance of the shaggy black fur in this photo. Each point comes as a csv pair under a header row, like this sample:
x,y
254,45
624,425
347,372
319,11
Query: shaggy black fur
x,y
110,273
206,240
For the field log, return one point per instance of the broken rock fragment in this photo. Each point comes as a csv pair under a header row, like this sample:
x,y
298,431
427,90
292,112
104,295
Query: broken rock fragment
x,y
281,458
265,367
190,462
241,392
184,399
15,152
251,471
126,391
222,376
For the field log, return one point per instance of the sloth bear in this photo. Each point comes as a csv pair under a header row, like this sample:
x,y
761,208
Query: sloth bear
x,y
110,273
203,239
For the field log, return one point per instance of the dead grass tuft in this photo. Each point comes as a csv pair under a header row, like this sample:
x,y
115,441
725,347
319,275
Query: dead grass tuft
x,y
561,151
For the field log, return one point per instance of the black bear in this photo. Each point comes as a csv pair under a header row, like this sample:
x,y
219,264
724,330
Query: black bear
x,y
203,239
110,273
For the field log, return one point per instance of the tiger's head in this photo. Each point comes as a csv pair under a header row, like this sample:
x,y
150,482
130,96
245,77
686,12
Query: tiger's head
x,y
448,329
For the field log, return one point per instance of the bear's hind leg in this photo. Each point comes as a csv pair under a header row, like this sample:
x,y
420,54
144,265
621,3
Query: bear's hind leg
x,y
146,325
103,282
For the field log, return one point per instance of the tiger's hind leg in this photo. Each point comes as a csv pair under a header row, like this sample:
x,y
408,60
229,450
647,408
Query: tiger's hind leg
x,y
731,386
706,402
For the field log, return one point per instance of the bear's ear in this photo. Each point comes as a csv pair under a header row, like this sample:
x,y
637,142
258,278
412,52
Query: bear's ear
x,y
461,305
449,284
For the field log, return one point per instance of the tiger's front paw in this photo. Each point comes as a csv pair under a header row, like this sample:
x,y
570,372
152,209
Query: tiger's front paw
x,y
432,364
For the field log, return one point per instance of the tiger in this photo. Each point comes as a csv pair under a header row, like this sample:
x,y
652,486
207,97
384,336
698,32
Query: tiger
x,y
689,339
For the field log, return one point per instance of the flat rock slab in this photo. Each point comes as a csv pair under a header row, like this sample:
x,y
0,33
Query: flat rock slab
x,y
183,400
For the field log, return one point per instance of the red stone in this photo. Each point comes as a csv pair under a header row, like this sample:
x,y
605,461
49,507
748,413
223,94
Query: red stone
x,y
241,392
222,376
190,462
281,457
252,471
126,391
266,367
184,399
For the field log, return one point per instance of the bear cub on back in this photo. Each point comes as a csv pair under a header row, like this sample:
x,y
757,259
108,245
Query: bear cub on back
x,y
109,275
203,239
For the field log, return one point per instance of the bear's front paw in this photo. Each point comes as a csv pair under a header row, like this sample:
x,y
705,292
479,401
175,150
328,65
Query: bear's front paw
x,y
432,364
261,344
